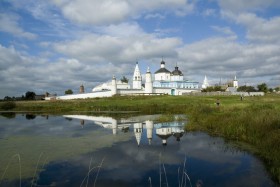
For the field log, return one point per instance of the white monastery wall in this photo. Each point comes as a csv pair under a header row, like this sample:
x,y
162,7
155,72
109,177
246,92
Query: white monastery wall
x,y
130,92
82,96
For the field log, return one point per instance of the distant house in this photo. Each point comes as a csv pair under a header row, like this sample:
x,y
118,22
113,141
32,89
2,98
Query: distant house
x,y
231,89
40,97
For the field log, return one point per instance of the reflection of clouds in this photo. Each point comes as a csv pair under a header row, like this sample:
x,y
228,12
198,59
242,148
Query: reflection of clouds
x,y
208,158
197,144
53,126
56,128
220,163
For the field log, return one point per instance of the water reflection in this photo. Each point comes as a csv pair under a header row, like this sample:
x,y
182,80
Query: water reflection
x,y
162,130
136,151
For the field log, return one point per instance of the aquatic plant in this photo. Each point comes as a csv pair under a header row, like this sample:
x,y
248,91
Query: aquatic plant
x,y
91,169
184,176
8,165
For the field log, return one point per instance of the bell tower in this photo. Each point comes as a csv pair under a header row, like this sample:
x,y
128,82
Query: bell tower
x,y
137,78
235,82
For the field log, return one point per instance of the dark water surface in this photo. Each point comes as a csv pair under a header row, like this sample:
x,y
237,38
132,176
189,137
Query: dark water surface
x,y
82,150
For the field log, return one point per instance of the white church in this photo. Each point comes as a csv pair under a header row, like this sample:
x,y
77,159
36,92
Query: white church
x,y
162,82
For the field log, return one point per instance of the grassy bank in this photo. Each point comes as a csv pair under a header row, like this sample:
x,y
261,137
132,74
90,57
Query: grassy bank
x,y
254,127
253,123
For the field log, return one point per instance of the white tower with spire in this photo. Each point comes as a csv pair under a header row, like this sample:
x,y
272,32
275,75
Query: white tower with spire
x,y
235,82
137,78
205,83
149,82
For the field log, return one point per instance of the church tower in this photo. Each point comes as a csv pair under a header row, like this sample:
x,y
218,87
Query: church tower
x,y
114,86
235,82
205,83
82,89
137,78
148,83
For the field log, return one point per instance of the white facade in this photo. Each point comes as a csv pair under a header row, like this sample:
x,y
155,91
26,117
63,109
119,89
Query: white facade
x,y
162,74
108,86
172,83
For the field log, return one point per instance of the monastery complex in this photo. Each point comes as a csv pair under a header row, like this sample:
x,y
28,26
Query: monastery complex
x,y
162,82
165,82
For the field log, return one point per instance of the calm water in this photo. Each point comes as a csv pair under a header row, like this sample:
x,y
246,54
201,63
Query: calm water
x,y
82,150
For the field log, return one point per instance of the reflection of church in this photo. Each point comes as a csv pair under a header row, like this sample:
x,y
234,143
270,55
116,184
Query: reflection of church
x,y
162,130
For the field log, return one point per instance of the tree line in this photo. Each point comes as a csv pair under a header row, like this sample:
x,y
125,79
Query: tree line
x,y
28,96
260,88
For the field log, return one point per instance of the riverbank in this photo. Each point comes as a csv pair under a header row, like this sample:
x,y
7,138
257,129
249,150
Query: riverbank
x,y
253,121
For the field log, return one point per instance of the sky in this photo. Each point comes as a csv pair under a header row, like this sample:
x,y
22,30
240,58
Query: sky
x,y
56,45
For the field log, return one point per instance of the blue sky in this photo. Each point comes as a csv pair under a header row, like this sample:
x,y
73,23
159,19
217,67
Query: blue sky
x,y
57,45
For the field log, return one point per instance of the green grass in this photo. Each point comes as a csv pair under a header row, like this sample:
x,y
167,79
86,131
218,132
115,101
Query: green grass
x,y
254,122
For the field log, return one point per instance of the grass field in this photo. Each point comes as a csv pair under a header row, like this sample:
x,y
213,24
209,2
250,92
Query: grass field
x,y
253,123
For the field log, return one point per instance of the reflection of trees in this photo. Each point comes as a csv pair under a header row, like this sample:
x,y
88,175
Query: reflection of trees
x,y
30,116
69,119
9,115
125,129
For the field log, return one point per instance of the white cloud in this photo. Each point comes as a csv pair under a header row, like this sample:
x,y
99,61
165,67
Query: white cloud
x,y
209,12
241,5
258,29
122,30
224,57
109,12
9,23
95,12
118,49
154,16
225,30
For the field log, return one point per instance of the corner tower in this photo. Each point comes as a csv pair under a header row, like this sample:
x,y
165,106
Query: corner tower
x,y
149,82
235,82
114,86
137,78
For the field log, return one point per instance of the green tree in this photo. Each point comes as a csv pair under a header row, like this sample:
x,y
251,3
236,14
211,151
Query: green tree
x,y
68,92
277,89
30,95
7,98
262,88
246,89
124,79
213,89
